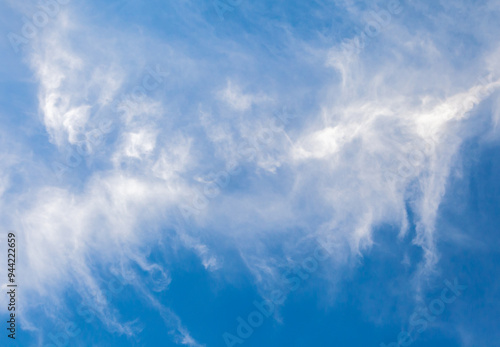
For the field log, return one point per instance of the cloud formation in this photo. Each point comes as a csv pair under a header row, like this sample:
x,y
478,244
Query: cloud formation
x,y
323,141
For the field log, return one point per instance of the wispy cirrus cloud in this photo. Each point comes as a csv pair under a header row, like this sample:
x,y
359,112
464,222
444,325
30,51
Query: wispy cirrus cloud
x,y
374,135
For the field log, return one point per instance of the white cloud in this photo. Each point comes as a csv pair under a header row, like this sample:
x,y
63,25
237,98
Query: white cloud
x,y
236,99
381,132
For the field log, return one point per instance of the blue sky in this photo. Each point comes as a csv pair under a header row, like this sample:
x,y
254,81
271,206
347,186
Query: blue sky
x,y
251,173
